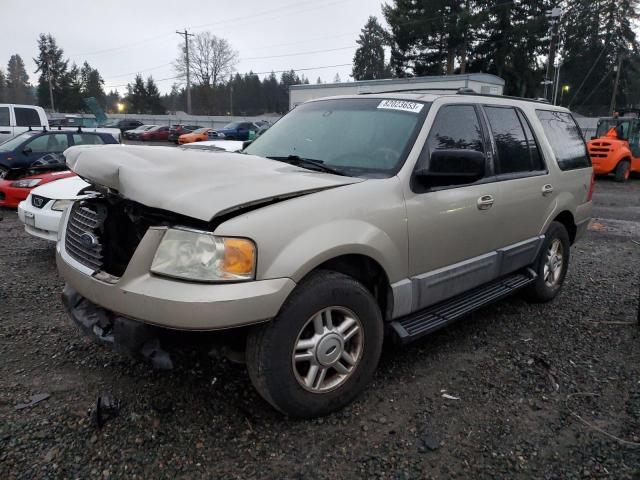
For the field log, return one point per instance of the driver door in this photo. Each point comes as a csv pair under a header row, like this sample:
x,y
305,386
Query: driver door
x,y
634,138
453,230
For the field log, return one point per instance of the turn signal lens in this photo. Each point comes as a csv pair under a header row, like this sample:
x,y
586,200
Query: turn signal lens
x,y
239,256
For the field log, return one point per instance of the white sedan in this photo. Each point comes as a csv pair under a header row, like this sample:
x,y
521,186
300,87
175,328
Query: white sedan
x,y
42,210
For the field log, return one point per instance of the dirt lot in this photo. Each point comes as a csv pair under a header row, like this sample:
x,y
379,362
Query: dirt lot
x,y
543,391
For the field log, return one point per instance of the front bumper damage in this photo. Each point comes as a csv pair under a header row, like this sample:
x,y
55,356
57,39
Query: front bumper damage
x,y
125,336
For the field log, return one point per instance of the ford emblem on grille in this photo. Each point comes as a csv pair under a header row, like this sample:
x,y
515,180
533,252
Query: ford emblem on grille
x,y
88,240
37,201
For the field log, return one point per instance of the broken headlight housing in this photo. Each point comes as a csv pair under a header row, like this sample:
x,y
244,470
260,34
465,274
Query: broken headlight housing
x,y
203,257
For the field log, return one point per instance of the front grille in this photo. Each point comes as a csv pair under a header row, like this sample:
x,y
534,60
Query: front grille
x,y
38,201
82,239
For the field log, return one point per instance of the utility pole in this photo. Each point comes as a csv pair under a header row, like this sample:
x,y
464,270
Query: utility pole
x,y
53,108
186,48
556,85
615,84
555,15
230,98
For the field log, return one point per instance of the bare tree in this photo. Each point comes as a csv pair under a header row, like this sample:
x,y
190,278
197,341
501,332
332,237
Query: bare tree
x,y
211,59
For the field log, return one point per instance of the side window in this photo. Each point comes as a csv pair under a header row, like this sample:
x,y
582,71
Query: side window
x,y
4,117
56,143
86,139
513,148
565,139
537,163
455,127
26,117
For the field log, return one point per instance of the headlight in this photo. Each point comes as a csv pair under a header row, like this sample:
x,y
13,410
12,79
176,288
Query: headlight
x,y
220,135
26,183
201,256
60,205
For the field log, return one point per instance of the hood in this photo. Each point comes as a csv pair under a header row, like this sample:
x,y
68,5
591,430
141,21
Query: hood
x,y
195,183
64,189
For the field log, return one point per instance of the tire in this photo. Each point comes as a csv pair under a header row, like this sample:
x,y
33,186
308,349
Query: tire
x,y
623,169
289,385
550,280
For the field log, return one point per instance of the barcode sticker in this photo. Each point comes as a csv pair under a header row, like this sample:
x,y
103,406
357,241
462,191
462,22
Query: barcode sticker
x,y
403,105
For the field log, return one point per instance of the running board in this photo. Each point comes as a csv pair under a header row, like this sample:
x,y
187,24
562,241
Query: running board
x,y
423,322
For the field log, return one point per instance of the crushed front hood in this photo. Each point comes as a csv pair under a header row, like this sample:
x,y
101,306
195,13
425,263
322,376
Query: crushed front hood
x,y
198,184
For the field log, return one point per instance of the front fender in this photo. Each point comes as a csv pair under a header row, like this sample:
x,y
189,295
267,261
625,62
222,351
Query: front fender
x,y
311,248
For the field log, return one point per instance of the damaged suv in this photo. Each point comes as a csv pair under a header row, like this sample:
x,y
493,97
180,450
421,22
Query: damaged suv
x,y
352,219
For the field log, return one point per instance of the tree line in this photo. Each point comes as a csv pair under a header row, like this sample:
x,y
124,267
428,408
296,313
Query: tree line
x,y
510,39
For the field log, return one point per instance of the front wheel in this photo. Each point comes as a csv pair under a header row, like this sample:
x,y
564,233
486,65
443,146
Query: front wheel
x,y
622,171
321,350
551,265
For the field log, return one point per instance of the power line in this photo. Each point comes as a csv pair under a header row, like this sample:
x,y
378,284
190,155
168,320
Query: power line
x,y
300,53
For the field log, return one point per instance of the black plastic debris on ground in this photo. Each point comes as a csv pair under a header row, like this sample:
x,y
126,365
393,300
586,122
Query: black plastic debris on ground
x,y
34,400
106,408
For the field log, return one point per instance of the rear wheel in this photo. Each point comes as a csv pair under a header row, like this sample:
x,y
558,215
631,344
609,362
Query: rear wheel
x,y
622,171
321,350
551,265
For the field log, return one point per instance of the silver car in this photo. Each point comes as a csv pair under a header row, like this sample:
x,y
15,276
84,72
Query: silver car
x,y
351,220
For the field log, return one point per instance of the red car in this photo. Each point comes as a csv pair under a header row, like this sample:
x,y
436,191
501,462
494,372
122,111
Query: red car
x,y
12,192
155,133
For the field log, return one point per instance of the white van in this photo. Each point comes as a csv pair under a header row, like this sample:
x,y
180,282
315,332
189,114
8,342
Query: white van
x,y
15,119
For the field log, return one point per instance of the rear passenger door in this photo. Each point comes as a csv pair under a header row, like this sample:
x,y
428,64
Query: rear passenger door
x,y
525,186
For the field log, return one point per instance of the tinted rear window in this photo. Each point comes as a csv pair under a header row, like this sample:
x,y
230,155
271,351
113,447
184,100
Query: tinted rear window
x,y
26,117
565,139
4,116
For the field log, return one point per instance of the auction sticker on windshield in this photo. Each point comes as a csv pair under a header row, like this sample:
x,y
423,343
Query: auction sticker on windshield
x,y
403,105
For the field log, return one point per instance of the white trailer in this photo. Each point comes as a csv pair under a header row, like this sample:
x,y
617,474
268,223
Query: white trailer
x,y
479,82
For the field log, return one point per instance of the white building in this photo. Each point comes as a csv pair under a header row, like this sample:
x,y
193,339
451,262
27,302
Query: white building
x,y
479,82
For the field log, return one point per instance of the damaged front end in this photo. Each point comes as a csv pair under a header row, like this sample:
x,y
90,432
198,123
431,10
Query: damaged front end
x,y
125,336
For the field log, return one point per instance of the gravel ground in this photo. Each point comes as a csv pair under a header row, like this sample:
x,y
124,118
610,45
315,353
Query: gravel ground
x,y
542,391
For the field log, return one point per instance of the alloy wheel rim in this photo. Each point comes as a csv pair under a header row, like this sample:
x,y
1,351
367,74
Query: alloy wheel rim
x,y
554,263
328,349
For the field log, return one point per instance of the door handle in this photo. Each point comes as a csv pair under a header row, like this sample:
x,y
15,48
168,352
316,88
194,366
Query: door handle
x,y
547,190
485,202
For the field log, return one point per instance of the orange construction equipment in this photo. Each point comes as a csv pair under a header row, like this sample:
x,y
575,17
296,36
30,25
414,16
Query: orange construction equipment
x,y
616,147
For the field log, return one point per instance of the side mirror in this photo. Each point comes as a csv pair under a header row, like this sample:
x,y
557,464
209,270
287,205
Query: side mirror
x,y
452,167
27,150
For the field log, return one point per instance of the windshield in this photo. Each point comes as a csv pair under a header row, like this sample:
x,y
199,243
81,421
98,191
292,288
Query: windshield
x,y
231,126
606,123
201,130
13,143
367,137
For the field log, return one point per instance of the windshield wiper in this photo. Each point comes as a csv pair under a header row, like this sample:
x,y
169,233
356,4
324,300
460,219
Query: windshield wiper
x,y
308,162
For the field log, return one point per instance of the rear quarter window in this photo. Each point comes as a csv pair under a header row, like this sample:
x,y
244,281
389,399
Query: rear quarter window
x,y
27,117
565,138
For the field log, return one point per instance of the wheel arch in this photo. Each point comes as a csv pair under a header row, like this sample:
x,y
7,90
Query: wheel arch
x,y
365,270
567,219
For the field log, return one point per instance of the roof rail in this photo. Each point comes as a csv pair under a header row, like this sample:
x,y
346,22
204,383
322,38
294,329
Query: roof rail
x,y
465,91
414,89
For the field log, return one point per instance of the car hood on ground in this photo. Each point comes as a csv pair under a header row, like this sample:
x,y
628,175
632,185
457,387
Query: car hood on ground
x,y
195,183
64,189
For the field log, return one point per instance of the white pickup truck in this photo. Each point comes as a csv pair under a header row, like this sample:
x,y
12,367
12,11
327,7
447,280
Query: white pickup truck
x,y
15,119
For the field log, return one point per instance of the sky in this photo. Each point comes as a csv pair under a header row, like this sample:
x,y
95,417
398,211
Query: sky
x,y
121,38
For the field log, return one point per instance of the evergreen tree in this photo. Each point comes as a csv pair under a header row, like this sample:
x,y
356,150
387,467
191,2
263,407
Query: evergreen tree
x,y
368,61
511,44
153,103
336,79
596,35
137,96
92,84
319,81
3,87
112,99
427,36
18,89
50,64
